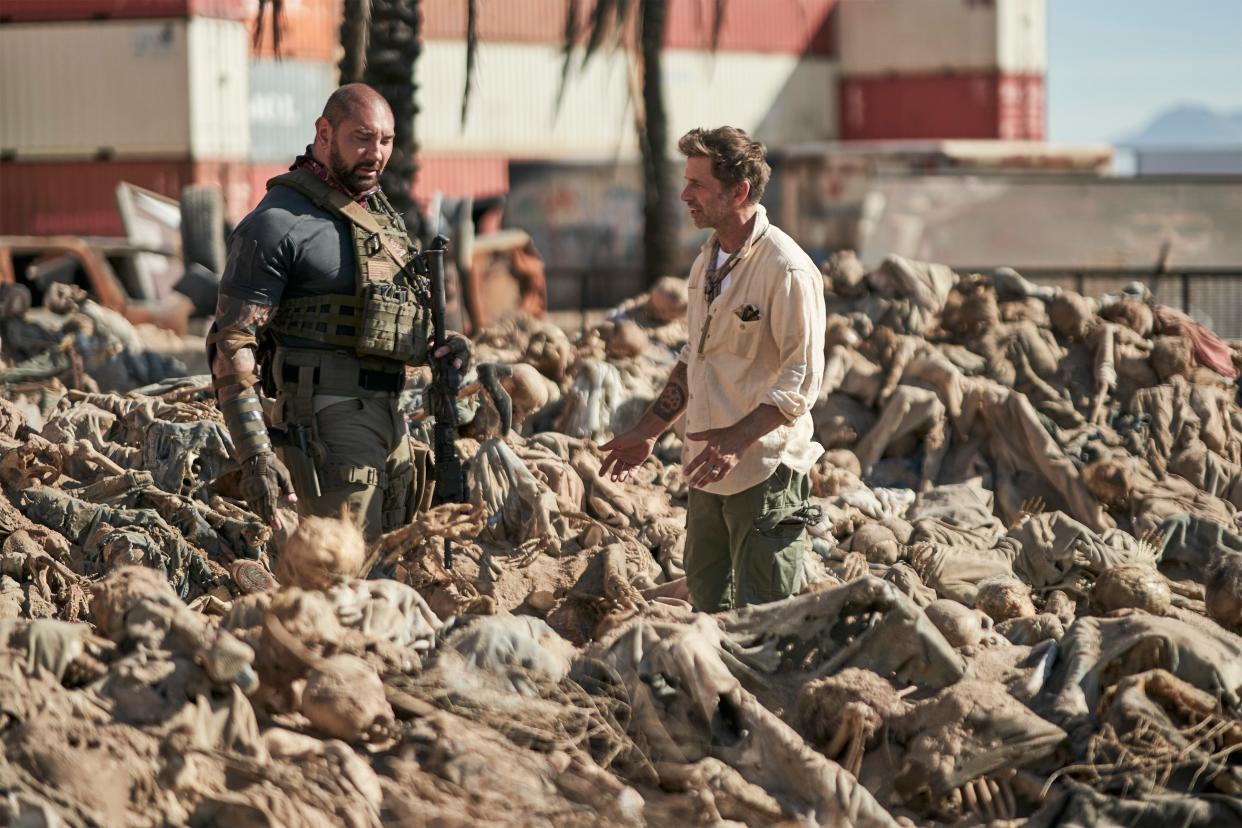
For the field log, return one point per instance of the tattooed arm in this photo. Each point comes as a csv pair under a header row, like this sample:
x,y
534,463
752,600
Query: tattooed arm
x,y
231,353
672,400
231,348
232,344
628,450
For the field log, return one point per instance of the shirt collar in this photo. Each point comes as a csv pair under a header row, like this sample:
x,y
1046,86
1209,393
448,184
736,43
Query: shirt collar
x,y
756,232
308,161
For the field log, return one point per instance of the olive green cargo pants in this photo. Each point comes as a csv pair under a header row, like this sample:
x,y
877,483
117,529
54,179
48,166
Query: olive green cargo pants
x,y
746,548
368,463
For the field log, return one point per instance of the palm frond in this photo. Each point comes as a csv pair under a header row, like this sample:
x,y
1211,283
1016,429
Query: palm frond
x,y
718,16
573,9
601,16
274,11
472,51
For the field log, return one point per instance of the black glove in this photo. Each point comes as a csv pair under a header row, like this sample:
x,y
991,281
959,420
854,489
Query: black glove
x,y
264,481
456,362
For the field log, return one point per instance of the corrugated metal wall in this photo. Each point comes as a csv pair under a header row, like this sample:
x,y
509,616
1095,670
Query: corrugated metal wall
x,y
312,30
219,90
788,99
79,197
286,96
40,11
963,105
1022,36
465,175
784,26
126,88
879,37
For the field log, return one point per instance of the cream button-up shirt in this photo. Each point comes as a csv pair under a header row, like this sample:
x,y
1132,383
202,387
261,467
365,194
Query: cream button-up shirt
x,y
734,365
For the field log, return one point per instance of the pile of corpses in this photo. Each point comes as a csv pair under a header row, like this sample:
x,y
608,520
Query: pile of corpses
x,y
1022,602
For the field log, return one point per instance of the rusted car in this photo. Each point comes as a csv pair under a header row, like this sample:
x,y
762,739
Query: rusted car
x,y
96,265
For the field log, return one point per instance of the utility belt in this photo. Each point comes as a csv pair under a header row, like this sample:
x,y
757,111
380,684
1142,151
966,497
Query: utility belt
x,y
305,372
366,380
301,374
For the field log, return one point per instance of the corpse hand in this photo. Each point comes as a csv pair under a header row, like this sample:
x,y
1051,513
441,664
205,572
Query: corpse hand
x,y
723,451
625,452
264,483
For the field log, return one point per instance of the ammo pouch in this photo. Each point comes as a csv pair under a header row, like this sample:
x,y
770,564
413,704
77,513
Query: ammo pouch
x,y
394,324
387,315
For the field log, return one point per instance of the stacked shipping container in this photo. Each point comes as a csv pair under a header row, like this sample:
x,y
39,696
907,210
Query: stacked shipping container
x,y
942,69
169,92
777,54
151,92
161,93
773,73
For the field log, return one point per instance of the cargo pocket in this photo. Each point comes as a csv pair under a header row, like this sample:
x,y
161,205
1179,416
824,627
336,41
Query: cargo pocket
x,y
771,568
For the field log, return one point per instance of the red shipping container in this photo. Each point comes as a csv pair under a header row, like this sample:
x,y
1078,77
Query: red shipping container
x,y
782,26
47,11
455,176
44,198
800,27
257,177
311,29
965,105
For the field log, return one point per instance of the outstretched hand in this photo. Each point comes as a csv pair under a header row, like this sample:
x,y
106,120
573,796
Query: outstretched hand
x,y
625,452
723,451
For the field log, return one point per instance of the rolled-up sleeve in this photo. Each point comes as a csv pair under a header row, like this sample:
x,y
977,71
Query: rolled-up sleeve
x,y
798,323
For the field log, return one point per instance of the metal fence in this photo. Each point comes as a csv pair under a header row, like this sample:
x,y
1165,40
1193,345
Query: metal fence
x,y
1211,296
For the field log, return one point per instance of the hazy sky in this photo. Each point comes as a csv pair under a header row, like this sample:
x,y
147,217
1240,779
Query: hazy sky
x,y
1113,64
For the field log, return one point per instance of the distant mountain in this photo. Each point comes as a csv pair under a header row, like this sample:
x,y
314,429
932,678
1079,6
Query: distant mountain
x,y
1189,125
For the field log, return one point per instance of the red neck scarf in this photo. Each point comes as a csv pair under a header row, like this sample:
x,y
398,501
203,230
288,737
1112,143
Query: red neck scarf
x,y
308,161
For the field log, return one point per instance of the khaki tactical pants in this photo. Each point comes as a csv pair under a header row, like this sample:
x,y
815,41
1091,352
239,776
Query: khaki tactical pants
x,y
368,464
364,457
746,548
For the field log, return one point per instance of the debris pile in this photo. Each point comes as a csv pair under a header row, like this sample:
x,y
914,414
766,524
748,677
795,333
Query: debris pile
x,y
1023,602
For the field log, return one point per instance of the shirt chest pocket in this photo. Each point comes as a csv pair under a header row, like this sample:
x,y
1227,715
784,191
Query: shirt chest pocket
x,y
729,334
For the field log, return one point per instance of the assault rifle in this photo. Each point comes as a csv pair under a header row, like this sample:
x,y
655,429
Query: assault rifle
x,y
442,397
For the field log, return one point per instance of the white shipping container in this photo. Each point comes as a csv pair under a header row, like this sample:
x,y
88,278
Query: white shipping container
x,y
880,37
286,96
779,98
162,88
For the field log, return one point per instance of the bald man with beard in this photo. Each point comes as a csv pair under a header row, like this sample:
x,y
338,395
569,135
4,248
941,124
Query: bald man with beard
x,y
320,274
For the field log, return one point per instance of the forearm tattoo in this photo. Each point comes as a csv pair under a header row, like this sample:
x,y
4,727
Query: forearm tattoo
x,y
673,399
236,340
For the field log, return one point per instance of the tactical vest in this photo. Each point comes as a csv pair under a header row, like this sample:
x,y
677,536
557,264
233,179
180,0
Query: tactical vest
x,y
385,316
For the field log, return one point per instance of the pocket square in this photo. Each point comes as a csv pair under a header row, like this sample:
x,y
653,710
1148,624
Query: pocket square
x,y
748,313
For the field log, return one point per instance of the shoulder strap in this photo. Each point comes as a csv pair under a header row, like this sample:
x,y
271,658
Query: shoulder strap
x,y
330,198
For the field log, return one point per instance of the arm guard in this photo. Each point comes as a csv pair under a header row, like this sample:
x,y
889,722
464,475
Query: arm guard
x,y
243,416
230,349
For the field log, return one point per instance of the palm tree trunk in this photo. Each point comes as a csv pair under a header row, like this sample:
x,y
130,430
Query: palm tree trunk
x,y
392,54
659,189
355,32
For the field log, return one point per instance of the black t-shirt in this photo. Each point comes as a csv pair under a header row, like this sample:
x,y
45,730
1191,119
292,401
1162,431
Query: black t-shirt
x,y
289,248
